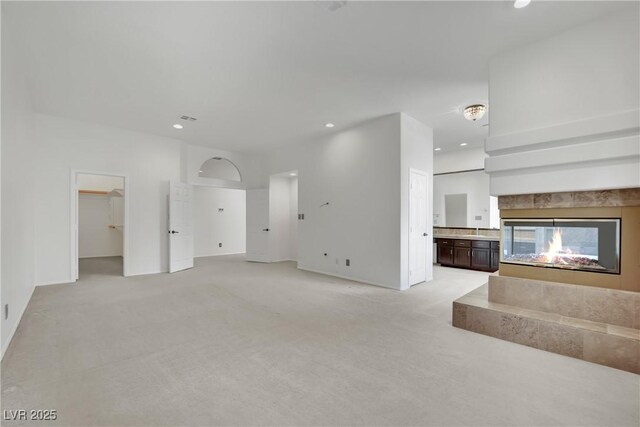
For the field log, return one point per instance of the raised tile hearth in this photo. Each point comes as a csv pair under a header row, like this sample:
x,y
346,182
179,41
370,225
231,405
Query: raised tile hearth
x,y
593,324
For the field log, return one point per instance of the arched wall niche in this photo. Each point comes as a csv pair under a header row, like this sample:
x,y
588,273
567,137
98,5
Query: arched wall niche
x,y
220,168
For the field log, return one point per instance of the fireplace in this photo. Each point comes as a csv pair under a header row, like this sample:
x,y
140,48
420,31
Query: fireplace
x,y
566,272
573,238
563,243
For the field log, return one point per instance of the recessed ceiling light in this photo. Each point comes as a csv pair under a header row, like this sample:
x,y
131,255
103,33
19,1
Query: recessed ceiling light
x,y
178,126
463,144
200,171
292,174
437,149
519,4
329,125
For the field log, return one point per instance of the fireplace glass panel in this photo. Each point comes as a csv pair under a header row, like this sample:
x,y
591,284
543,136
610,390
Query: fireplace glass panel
x,y
576,244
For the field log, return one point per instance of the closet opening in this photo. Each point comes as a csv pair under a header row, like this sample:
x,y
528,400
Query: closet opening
x,y
283,216
99,226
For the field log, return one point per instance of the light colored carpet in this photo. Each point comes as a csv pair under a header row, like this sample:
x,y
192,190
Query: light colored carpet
x,y
92,268
237,343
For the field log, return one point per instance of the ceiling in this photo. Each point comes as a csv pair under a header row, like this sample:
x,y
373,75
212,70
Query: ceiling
x,y
258,75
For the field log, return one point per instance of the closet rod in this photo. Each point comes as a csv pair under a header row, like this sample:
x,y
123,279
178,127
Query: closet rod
x,y
93,192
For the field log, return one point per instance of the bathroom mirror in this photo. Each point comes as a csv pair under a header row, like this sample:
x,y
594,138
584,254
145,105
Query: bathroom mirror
x,y
462,199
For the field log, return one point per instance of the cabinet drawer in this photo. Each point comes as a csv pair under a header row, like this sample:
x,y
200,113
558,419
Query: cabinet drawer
x,y
462,243
481,244
444,242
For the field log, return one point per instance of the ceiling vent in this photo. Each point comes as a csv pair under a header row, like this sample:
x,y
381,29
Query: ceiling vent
x,y
188,118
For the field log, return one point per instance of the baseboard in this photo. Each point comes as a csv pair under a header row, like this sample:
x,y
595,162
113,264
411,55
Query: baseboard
x,y
354,279
282,260
100,256
226,253
57,282
147,273
15,327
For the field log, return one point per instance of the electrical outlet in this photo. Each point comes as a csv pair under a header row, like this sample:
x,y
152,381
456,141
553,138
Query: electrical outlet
x,y
219,245
348,262
6,311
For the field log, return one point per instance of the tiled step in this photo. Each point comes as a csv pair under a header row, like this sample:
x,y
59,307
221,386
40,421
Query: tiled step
x,y
598,342
611,306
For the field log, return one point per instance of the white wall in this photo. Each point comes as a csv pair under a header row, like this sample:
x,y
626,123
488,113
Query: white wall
x,y
99,182
283,218
357,171
459,160
18,186
565,111
475,185
150,162
361,172
95,238
494,212
212,227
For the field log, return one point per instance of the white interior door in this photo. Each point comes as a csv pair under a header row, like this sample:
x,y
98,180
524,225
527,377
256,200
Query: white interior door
x,y
418,237
180,226
258,225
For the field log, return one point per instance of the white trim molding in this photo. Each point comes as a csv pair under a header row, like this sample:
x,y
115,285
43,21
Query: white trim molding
x,y
340,276
591,154
7,343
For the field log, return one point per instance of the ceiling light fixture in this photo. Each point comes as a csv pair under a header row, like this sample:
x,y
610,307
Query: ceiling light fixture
x,y
474,112
292,174
437,149
463,144
329,125
519,4
177,126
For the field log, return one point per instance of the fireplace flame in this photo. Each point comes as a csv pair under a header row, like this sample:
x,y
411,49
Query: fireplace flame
x,y
555,248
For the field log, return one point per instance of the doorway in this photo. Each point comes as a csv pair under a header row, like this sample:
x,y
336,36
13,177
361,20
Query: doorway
x,y
272,220
99,241
419,240
283,217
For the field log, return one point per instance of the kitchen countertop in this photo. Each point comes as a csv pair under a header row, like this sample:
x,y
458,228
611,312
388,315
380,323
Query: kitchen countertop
x,y
466,237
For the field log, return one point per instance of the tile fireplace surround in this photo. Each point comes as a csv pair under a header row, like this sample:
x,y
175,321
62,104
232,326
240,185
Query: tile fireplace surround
x,y
586,315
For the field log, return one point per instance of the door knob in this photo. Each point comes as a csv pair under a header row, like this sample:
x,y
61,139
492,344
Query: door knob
x,y
425,234
173,232
265,229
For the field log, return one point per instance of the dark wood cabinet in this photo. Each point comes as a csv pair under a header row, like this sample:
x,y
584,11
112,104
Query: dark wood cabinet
x,y
481,254
445,251
480,258
495,256
462,257
475,254
445,255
